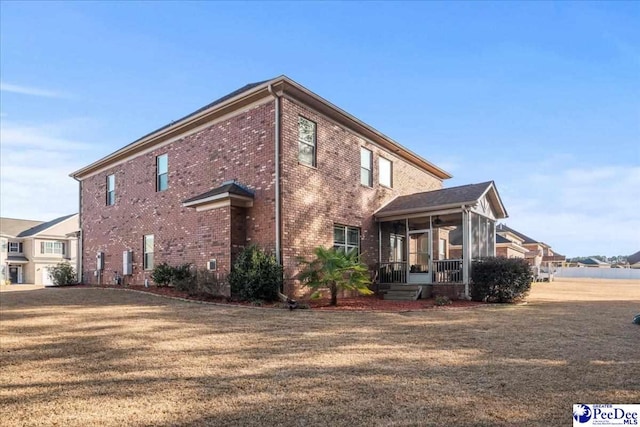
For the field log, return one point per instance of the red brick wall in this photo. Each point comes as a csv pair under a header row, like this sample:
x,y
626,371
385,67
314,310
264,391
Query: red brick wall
x,y
242,148
316,198
239,148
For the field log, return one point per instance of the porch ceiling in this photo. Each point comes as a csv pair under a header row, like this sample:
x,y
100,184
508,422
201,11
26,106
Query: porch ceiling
x,y
444,199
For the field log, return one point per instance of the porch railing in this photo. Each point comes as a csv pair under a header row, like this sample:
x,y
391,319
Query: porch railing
x,y
392,272
447,271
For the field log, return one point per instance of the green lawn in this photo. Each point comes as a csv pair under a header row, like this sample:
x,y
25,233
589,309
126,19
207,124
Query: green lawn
x,y
81,357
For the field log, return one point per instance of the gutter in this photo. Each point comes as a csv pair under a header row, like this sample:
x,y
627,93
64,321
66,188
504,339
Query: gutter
x,y
278,212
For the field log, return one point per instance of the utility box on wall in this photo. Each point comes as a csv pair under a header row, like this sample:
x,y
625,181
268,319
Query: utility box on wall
x,y
100,261
127,263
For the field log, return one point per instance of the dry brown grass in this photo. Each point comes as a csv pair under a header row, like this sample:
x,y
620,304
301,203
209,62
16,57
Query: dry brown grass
x,y
81,357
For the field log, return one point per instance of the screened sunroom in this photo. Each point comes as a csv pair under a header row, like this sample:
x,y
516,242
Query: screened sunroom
x,y
415,231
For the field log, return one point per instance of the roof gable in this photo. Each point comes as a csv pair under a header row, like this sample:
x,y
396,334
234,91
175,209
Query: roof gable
x,y
525,239
447,197
13,227
45,226
249,95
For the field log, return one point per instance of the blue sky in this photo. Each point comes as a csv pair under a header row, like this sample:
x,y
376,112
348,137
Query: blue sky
x,y
542,97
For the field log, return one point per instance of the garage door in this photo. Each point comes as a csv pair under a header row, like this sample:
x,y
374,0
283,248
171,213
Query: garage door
x,y
46,280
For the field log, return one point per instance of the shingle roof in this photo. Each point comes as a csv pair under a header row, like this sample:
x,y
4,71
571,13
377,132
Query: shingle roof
x,y
212,104
432,199
635,258
13,227
17,258
41,227
527,239
592,261
228,187
500,239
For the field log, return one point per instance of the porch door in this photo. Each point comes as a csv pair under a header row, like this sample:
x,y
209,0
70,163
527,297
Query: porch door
x,y
419,256
13,274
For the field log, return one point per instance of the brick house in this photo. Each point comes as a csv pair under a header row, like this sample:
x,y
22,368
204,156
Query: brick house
x,y
274,164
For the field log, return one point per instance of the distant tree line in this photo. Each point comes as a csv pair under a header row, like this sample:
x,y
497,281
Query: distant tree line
x,y
619,259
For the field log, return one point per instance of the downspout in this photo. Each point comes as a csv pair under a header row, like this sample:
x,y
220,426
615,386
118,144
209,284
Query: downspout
x,y
277,178
80,245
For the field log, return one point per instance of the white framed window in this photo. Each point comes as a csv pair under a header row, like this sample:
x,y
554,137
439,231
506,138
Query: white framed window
x,y
162,172
52,248
396,248
366,166
111,190
346,238
148,252
442,249
385,171
307,139
15,247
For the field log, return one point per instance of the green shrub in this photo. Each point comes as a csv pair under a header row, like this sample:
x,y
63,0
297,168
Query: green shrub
x,y
201,282
442,300
497,279
165,275
255,275
162,274
62,274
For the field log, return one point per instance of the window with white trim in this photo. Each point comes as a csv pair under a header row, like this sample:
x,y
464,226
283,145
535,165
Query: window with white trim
x,y
148,252
385,172
15,247
396,248
366,166
52,248
111,190
306,141
162,172
346,238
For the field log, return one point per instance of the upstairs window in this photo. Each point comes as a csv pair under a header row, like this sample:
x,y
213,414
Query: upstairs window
x,y
346,238
148,252
162,172
15,247
52,248
111,190
366,166
306,141
385,170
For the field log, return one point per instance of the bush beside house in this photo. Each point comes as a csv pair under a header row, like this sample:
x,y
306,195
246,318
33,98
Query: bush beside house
x,y
497,279
255,276
62,274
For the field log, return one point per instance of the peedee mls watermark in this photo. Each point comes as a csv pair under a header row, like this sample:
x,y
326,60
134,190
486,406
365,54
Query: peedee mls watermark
x,y
606,415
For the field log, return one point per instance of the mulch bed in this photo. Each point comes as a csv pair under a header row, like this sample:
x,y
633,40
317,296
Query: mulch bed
x,y
362,303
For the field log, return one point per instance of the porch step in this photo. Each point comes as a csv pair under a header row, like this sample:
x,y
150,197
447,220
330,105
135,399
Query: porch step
x,y
403,292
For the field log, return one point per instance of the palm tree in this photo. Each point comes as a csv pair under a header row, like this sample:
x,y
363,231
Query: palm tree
x,y
335,269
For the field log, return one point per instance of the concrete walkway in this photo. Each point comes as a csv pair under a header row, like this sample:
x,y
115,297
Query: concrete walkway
x,y
20,287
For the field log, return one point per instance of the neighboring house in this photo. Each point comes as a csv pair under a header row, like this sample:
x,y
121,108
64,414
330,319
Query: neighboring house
x,y
29,248
274,164
593,263
634,260
538,253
